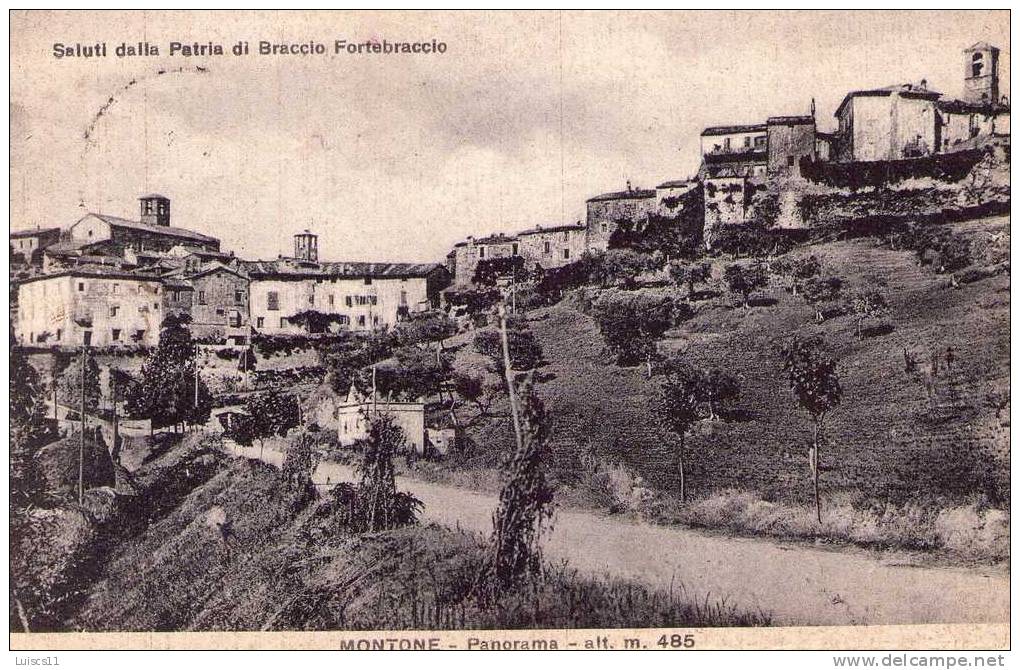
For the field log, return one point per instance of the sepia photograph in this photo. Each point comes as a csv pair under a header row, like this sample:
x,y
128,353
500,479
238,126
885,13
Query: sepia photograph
x,y
510,330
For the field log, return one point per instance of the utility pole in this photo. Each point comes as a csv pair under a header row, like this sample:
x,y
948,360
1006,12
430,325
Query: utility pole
x,y
116,426
194,403
81,443
375,409
514,411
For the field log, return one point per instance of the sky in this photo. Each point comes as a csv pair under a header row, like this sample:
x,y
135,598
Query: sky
x,y
397,157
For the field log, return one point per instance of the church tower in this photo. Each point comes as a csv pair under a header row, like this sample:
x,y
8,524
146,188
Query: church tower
x,y
306,246
981,79
155,209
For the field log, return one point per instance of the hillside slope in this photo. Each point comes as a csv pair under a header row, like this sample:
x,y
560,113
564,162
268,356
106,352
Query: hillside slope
x,y
882,442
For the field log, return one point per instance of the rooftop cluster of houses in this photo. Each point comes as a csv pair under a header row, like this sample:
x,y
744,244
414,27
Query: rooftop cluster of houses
x,y
889,123
109,281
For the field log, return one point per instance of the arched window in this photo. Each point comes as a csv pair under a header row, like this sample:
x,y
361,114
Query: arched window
x,y
977,65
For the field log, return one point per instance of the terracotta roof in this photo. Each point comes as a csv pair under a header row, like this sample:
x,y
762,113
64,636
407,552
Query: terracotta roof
x,y
730,130
954,106
790,120
34,233
98,272
169,231
750,156
914,91
676,183
981,46
286,268
633,194
537,230
153,195
498,238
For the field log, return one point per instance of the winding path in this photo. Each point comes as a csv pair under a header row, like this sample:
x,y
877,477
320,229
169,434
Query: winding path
x,y
798,585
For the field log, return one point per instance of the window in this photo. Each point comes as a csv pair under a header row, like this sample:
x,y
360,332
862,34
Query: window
x,y
155,306
375,320
311,300
235,319
747,141
219,312
201,297
361,320
368,281
330,299
403,297
86,337
604,227
566,254
238,297
978,65
513,249
727,145
81,286
260,322
547,247
116,289
60,334
115,334
349,301
283,322
789,161
759,142
481,252
566,235
113,310
139,334
273,301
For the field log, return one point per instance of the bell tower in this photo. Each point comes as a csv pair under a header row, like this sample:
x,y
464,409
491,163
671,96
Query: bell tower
x,y
981,78
306,246
155,209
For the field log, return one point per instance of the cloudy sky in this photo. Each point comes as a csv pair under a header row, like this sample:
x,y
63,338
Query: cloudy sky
x,y
396,157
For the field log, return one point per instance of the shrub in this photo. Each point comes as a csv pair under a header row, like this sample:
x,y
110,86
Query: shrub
x,y
745,280
631,322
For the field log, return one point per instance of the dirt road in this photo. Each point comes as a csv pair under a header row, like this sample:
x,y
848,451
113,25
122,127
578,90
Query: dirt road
x,y
799,585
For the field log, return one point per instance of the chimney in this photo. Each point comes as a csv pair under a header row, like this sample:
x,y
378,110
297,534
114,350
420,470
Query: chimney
x,y
629,189
155,209
924,84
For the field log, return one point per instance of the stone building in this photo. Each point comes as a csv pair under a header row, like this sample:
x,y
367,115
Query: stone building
x,y
740,147
909,120
552,246
94,306
27,246
789,138
215,296
605,212
349,415
362,296
152,232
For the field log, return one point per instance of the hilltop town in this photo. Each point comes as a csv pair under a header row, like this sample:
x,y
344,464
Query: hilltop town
x,y
806,340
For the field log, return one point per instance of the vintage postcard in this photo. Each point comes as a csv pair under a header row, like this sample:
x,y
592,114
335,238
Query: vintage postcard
x,y
510,330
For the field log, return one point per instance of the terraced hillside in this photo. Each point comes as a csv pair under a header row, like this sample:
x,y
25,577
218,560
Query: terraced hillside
x,y
884,441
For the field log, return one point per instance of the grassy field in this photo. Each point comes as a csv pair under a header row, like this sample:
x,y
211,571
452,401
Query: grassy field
x,y
883,444
284,566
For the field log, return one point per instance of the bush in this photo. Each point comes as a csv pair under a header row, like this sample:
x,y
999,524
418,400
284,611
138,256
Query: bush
x,y
631,322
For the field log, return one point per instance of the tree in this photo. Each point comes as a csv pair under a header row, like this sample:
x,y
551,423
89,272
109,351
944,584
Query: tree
x,y
815,385
624,265
383,508
679,397
27,429
316,322
868,304
247,361
299,460
425,328
631,323
798,270
166,389
272,414
525,498
717,387
473,389
525,350
745,280
415,372
489,270
690,275
820,291
69,384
